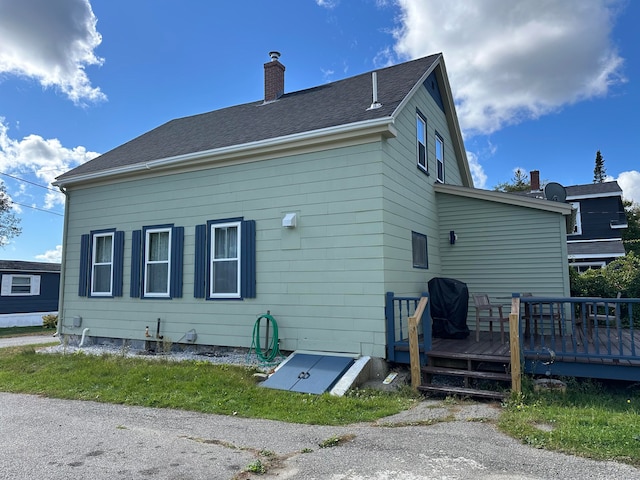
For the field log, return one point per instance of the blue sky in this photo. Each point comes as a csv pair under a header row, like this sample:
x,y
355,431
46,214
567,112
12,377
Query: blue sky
x,y
538,84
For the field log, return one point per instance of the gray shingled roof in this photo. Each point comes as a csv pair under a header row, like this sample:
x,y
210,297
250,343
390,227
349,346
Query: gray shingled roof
x,y
589,189
593,189
333,104
603,249
22,266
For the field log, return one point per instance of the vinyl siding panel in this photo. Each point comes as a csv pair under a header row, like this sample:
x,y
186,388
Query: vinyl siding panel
x,y
409,200
323,280
503,249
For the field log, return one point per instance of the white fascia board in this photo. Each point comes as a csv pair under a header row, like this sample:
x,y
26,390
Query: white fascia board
x,y
596,255
595,240
502,197
594,195
379,126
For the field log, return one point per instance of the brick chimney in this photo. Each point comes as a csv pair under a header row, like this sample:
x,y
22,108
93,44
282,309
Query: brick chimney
x,y
535,180
273,78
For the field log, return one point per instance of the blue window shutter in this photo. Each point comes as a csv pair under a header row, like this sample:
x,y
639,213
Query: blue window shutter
x,y
118,263
200,265
248,259
85,265
136,263
177,252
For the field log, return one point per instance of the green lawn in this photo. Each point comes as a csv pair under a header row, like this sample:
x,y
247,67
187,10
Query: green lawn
x,y
595,420
22,331
191,385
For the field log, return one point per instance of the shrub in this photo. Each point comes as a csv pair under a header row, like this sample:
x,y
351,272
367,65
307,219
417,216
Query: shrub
x,y
621,275
50,321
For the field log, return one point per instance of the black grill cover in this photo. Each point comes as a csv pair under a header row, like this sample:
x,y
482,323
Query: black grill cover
x,y
449,302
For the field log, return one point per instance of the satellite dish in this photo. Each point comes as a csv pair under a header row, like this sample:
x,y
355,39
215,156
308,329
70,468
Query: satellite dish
x,y
555,192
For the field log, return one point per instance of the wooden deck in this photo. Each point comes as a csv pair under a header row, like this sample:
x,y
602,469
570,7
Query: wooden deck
x,y
561,337
547,348
486,346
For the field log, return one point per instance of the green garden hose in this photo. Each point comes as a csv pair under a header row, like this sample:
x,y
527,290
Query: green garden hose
x,y
271,350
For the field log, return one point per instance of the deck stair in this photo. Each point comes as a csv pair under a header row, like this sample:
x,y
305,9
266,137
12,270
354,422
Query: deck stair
x,y
464,370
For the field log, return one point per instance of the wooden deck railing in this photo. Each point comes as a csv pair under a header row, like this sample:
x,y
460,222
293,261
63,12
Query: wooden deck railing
x,y
397,312
572,336
605,330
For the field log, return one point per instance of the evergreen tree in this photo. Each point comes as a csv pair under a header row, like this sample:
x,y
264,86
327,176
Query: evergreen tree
x,y
599,172
8,221
519,183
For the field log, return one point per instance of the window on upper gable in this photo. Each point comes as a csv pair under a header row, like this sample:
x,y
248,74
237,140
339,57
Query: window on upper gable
x,y
157,261
439,158
577,226
421,142
101,261
20,285
419,250
225,266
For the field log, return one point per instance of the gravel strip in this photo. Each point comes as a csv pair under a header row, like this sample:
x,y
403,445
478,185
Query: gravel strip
x,y
227,358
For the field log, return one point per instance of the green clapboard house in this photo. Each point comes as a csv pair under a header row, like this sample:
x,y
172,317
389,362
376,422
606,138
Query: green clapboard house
x,y
310,205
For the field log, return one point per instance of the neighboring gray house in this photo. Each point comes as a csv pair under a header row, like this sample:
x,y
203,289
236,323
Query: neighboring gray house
x,y
28,290
310,205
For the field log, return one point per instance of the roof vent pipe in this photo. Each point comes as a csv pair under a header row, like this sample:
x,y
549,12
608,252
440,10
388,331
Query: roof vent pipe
x,y
374,81
274,56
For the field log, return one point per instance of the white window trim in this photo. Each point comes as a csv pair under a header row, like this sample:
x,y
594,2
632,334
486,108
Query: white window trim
x,y
578,228
94,264
439,161
422,141
214,226
7,283
148,262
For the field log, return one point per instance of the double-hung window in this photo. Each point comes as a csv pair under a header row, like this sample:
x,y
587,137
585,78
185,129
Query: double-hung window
x,y
225,258
156,262
439,158
157,269
21,285
225,262
101,262
421,141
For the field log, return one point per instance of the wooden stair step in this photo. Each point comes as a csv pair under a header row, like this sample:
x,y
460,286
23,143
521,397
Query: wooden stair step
x,y
506,377
470,356
467,392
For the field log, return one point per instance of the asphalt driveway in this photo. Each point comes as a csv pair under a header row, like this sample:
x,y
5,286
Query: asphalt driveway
x,y
63,439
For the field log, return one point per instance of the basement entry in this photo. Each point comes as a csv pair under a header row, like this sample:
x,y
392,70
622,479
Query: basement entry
x,y
308,373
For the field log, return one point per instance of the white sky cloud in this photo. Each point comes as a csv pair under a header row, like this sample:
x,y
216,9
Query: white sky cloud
x,y
511,61
327,3
51,256
630,184
477,172
44,159
52,42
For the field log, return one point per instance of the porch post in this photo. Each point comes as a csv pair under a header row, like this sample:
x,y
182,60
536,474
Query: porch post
x,y
391,326
514,343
